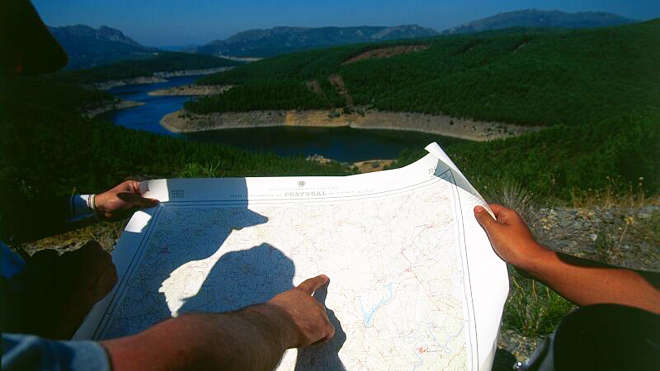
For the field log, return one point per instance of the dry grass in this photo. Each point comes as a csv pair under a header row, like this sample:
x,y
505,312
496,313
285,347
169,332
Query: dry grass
x,y
616,194
105,233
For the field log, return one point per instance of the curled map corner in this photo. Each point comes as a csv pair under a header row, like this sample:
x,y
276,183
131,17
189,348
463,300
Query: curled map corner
x,y
461,180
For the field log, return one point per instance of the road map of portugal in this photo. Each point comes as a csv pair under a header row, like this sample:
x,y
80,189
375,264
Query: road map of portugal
x,y
401,293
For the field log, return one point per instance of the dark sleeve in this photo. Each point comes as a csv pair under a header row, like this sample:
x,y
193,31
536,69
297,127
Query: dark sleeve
x,y
28,352
23,220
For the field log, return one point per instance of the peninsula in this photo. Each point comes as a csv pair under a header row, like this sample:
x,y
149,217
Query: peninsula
x,y
186,122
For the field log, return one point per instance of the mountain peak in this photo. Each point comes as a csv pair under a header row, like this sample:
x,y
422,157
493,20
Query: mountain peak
x,y
540,18
88,47
285,39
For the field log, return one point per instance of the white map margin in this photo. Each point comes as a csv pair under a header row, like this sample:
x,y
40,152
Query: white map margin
x,y
486,272
486,275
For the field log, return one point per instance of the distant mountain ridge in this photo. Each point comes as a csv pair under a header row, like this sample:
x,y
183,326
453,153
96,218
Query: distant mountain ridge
x,y
540,18
89,47
279,40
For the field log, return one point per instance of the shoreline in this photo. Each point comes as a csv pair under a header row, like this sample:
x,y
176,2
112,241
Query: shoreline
x,y
468,129
119,104
155,77
191,90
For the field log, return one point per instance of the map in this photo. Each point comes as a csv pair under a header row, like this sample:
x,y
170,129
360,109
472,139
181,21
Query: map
x,y
413,281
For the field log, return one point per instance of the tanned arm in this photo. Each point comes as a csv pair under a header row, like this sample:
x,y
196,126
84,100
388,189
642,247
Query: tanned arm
x,y
579,280
250,339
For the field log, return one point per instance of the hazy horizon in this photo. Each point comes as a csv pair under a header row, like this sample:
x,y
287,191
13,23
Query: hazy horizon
x,y
196,22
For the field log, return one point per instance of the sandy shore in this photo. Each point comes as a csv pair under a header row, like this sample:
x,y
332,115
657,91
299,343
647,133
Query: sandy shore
x,y
107,85
180,73
155,78
110,106
184,122
190,90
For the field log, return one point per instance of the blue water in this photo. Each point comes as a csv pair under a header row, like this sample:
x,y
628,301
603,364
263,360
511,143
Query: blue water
x,y
342,144
147,117
368,316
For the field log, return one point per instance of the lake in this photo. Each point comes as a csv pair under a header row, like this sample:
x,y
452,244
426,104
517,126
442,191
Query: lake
x,y
342,144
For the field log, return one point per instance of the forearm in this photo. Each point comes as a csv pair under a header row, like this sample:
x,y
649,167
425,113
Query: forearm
x,y
584,282
30,220
251,339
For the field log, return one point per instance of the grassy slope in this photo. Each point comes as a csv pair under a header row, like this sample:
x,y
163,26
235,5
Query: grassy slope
x,y
528,77
163,62
560,162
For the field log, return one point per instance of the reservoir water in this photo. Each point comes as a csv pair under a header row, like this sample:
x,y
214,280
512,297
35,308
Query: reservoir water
x,y
341,144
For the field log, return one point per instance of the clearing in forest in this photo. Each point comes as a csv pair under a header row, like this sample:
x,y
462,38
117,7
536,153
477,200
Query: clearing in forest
x,y
387,52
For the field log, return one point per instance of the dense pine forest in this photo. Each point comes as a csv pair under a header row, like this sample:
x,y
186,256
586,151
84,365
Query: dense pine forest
x,y
521,76
598,90
561,163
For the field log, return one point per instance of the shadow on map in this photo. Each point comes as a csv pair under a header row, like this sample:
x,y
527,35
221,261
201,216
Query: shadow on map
x,y
252,276
323,356
210,233
239,278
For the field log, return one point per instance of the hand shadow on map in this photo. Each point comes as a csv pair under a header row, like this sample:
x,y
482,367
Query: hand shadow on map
x,y
203,235
247,277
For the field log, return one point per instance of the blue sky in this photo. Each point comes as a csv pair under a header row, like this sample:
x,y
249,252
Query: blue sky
x,y
181,22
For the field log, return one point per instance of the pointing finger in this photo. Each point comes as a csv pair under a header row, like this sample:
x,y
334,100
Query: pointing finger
x,y
313,284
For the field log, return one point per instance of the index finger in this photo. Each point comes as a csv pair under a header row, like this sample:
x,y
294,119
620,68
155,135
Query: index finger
x,y
312,284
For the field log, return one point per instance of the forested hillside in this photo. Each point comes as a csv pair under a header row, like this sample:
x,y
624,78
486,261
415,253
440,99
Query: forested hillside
x,y
528,77
162,62
560,163
599,89
603,105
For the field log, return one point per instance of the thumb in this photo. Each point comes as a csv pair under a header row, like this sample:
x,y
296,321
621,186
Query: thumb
x,y
484,218
136,200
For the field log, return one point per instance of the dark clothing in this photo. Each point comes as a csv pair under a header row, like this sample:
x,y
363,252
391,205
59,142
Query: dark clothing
x,y
604,337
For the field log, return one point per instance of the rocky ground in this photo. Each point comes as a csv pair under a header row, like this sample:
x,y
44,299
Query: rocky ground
x,y
617,234
361,167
